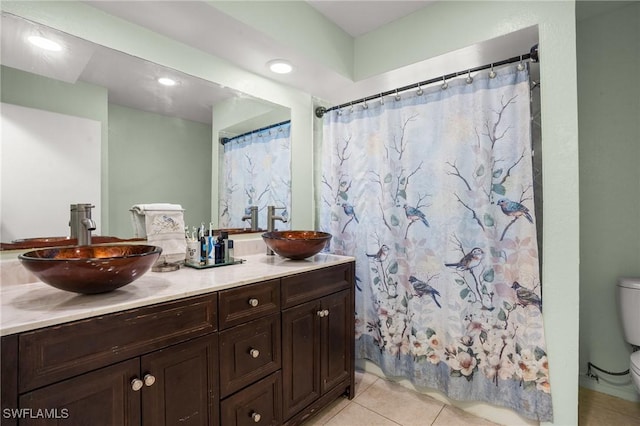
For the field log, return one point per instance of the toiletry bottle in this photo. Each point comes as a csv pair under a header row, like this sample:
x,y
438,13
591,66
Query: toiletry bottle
x,y
225,246
203,248
230,250
212,247
219,249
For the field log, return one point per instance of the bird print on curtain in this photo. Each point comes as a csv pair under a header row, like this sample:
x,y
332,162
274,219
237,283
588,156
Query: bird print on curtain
x,y
447,270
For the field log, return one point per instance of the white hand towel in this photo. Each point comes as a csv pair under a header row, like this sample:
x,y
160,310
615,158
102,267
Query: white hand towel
x,y
166,229
139,211
163,226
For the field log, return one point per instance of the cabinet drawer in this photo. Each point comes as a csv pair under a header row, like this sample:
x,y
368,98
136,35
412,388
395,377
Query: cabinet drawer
x,y
307,286
242,304
59,352
259,403
249,352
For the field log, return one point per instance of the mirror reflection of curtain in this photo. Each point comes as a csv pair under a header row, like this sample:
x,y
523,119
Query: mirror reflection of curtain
x,y
256,172
433,195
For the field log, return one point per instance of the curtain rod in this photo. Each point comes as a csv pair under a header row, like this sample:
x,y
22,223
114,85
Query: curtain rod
x,y
533,55
227,140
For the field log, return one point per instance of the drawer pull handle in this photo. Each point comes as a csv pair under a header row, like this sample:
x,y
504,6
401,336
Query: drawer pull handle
x,y
149,379
320,313
136,384
256,417
254,353
326,312
253,302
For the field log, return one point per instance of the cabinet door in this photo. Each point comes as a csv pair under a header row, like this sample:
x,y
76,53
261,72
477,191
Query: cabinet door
x,y
101,397
185,390
300,356
336,328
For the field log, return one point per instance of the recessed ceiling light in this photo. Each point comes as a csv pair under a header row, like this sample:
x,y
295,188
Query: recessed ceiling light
x,y
280,66
167,81
45,43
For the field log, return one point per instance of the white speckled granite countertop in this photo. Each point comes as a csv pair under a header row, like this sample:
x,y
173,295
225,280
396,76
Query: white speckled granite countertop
x,y
34,305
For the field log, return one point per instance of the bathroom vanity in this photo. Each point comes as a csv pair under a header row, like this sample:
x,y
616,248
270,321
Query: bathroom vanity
x,y
268,342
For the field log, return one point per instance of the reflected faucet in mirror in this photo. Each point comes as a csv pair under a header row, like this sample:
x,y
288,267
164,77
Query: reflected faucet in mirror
x,y
271,221
251,214
81,223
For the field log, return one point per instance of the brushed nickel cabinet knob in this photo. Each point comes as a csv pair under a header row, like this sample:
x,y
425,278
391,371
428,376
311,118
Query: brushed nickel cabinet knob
x,y
136,384
149,379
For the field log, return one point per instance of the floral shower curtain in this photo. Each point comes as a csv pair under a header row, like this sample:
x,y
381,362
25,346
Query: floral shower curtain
x,y
433,195
256,171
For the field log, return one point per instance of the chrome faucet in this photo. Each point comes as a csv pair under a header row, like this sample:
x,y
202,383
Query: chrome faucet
x,y
271,221
251,214
81,223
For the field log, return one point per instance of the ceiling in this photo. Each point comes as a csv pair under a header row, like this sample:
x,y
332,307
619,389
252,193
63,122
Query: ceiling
x,y
358,17
204,25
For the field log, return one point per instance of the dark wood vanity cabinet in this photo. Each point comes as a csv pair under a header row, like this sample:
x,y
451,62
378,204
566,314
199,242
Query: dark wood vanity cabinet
x,y
155,365
317,340
269,353
172,386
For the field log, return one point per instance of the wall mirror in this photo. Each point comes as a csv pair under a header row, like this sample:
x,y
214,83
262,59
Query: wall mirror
x,y
89,124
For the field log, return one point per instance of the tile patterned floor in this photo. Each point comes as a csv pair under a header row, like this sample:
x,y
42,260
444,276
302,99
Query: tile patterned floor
x,y
382,403
599,409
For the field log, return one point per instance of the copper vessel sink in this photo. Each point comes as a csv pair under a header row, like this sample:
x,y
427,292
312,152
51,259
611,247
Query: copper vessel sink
x,y
296,245
90,269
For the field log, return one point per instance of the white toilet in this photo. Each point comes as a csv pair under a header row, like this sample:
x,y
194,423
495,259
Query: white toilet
x,y
629,306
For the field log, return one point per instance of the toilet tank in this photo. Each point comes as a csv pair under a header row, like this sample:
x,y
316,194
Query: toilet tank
x,y
629,308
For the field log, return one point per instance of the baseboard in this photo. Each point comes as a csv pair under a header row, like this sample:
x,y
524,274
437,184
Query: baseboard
x,y
625,391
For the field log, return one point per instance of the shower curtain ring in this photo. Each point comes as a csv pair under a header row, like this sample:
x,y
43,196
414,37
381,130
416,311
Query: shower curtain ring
x,y
520,65
381,99
444,83
469,79
364,105
351,108
492,74
398,96
420,91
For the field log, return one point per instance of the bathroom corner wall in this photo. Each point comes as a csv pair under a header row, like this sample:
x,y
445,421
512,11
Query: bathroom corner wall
x,y
608,47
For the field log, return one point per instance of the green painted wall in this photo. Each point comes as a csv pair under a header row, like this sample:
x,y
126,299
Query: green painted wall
x,y
608,47
157,159
31,90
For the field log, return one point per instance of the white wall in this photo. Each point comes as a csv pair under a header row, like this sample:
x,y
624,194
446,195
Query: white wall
x,y
45,169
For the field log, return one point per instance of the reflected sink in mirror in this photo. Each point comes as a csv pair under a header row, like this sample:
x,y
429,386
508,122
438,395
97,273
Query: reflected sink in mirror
x,y
91,269
296,245
42,242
